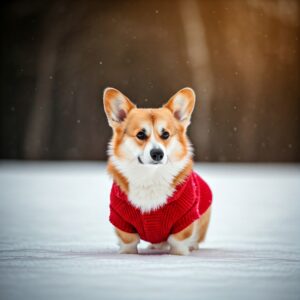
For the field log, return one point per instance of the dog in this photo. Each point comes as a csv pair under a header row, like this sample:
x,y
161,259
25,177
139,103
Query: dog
x,y
156,196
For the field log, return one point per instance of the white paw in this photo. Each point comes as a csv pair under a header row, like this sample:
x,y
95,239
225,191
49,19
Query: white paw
x,y
128,251
194,246
130,248
179,247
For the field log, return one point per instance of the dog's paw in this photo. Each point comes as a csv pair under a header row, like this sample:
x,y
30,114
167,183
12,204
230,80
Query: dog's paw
x,y
130,248
128,251
194,247
179,247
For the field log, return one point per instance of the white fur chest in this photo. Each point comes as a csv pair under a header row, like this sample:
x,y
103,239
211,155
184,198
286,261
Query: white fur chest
x,y
149,197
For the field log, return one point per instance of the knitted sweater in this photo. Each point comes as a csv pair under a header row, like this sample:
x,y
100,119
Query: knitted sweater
x,y
189,201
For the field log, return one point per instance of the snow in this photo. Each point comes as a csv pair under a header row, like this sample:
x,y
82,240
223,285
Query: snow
x,y
56,241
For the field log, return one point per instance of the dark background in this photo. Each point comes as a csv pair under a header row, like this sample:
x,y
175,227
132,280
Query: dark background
x,y
241,57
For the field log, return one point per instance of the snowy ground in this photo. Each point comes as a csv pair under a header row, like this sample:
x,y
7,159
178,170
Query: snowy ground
x,y
56,241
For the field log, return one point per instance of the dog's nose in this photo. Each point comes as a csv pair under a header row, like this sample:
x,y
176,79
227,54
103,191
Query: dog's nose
x,y
157,154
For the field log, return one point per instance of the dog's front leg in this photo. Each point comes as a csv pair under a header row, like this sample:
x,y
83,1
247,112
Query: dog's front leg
x,y
127,241
182,242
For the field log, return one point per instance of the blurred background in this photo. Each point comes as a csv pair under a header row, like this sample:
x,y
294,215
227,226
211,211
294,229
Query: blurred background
x,y
241,57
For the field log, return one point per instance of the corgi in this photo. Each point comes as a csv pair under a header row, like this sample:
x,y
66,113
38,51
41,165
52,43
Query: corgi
x,y
156,196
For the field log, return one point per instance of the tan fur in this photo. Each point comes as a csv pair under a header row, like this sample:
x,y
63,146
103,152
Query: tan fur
x,y
185,233
183,174
118,177
203,224
127,238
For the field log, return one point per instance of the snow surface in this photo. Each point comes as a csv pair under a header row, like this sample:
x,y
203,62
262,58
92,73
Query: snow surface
x,y
56,241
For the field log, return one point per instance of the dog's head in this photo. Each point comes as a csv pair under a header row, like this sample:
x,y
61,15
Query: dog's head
x,y
151,137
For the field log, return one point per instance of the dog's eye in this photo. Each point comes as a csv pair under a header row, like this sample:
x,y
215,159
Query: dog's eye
x,y
141,135
165,135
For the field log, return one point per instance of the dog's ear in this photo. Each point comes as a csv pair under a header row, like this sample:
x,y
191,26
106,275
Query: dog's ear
x,y
182,105
116,106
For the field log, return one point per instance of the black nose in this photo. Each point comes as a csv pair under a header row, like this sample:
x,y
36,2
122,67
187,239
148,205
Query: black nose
x,y
156,154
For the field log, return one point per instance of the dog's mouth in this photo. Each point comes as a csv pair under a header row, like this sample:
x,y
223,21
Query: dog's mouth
x,y
151,163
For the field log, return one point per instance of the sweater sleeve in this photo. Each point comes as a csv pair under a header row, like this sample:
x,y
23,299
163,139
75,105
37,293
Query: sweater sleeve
x,y
205,195
119,222
203,201
188,218
116,205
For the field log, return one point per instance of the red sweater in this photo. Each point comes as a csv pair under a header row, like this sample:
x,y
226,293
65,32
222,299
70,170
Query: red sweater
x,y
188,202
